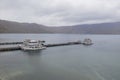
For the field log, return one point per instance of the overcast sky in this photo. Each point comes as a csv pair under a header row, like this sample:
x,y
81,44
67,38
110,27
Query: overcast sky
x,y
60,12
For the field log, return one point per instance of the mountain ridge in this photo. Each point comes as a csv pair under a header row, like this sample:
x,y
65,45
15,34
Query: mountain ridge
x,y
99,28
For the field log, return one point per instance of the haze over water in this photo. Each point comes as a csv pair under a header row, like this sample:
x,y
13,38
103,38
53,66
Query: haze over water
x,y
99,61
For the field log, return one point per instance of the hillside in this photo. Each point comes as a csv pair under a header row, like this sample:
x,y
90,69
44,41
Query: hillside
x,y
16,27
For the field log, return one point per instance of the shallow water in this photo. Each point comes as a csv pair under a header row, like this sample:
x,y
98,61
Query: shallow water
x,y
99,61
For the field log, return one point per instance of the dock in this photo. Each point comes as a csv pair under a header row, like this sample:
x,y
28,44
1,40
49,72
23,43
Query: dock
x,y
46,45
10,48
63,44
10,43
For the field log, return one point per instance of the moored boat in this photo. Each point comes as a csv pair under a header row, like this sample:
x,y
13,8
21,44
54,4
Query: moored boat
x,y
32,45
87,41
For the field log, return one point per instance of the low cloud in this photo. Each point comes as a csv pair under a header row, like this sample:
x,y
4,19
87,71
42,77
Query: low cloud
x,y
60,12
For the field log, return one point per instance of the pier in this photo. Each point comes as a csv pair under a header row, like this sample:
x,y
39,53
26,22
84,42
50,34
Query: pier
x,y
10,48
10,43
46,45
63,44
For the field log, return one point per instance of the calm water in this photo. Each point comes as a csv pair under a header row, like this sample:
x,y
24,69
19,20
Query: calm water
x,y
100,61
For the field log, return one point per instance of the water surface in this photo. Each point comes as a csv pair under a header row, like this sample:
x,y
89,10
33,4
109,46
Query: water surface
x,y
77,62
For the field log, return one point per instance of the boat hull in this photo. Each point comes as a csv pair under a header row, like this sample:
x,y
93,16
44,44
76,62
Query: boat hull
x,y
32,49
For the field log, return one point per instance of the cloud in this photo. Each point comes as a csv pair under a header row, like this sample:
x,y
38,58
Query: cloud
x,y
60,12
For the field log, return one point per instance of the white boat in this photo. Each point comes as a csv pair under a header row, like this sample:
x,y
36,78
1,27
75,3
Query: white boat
x,y
32,45
87,41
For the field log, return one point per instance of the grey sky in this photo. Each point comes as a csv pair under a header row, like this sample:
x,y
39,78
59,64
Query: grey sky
x,y
60,12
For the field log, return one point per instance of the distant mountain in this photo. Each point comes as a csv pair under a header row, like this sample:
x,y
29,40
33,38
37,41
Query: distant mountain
x,y
103,28
16,27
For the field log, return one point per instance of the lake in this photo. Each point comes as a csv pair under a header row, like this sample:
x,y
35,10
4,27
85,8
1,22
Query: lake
x,y
100,61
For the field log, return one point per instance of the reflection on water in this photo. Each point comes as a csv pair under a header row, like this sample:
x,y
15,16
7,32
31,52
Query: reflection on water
x,y
32,53
77,62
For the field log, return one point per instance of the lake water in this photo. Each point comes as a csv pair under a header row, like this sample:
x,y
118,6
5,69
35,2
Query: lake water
x,y
100,61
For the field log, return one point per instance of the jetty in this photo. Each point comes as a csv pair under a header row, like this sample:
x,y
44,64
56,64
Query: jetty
x,y
17,47
10,48
10,43
63,44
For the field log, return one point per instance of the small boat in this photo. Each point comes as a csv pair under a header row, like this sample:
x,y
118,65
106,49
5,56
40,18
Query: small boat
x,y
87,41
32,45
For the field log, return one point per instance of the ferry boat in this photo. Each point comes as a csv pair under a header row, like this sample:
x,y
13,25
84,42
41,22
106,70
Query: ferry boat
x,y
87,41
32,45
